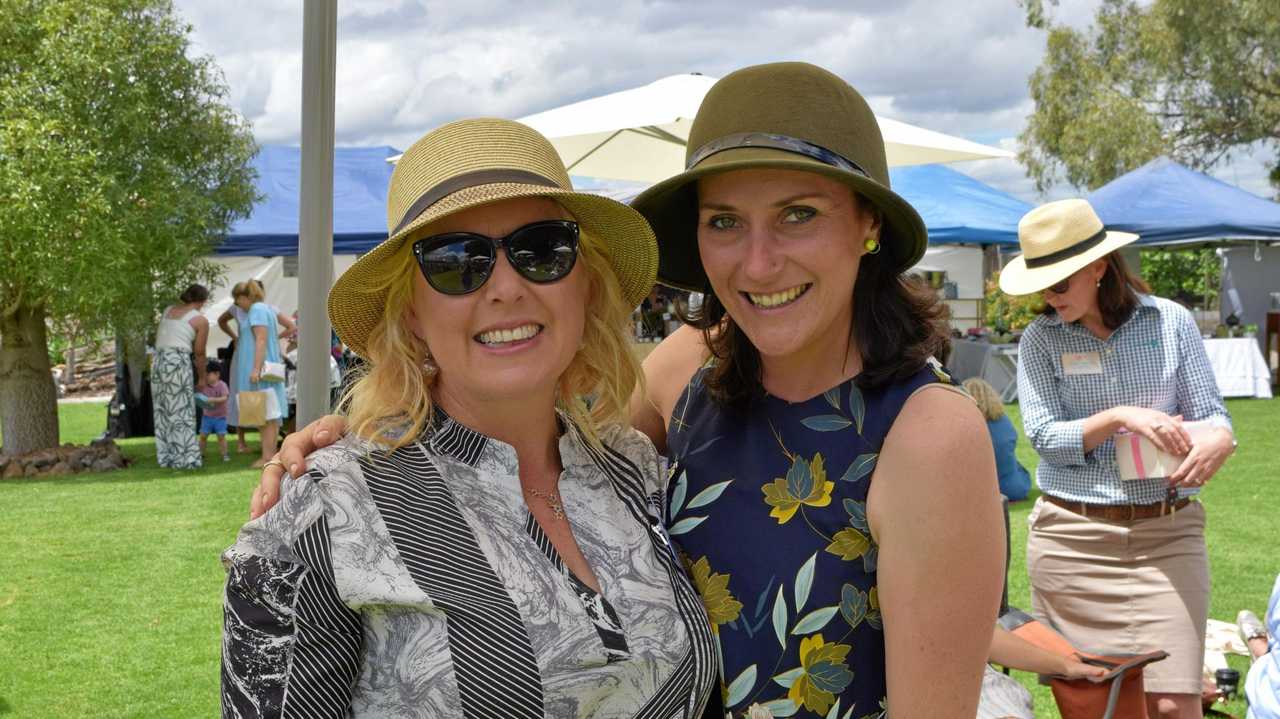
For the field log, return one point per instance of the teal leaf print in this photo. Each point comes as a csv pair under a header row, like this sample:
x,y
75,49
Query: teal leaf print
x,y
708,495
848,714
857,515
804,581
873,618
835,710
870,558
739,687
686,525
786,679
815,620
781,707
831,677
780,619
826,422
799,478
857,407
833,397
853,605
704,446
677,495
862,465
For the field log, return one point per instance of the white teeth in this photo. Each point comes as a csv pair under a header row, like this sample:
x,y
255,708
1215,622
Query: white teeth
x,y
497,337
777,298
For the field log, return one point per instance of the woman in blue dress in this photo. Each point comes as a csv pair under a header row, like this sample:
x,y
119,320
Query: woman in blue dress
x,y
260,344
832,493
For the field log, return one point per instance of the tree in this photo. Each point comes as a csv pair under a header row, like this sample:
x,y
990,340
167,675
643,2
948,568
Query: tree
x,y
1191,79
1190,276
121,166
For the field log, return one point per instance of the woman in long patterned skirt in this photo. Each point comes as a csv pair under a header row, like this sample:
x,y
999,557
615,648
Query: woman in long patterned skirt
x,y
182,331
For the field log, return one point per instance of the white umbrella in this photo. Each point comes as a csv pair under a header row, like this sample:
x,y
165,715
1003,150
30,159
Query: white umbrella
x,y
640,134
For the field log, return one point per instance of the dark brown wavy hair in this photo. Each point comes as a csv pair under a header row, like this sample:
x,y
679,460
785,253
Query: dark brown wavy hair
x,y
1117,293
898,324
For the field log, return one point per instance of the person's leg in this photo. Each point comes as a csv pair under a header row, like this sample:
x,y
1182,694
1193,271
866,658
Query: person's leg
x,y
203,442
269,432
241,446
222,444
1174,706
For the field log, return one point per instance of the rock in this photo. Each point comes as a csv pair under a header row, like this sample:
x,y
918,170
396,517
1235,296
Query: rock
x,y
4,461
43,459
59,469
104,465
13,470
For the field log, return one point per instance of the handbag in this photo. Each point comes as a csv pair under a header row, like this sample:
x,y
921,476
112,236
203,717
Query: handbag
x,y
252,408
1117,694
272,371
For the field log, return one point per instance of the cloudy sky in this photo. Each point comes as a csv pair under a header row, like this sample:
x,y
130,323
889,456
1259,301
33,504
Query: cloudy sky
x,y
405,66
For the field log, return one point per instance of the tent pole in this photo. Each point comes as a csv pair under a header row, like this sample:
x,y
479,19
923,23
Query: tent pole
x,y
315,225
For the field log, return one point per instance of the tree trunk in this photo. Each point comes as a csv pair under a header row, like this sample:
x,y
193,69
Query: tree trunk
x,y
28,399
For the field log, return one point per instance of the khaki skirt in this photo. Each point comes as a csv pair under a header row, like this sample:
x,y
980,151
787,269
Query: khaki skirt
x,y
1125,587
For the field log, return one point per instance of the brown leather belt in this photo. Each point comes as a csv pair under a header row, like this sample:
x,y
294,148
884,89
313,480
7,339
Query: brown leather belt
x,y
1119,512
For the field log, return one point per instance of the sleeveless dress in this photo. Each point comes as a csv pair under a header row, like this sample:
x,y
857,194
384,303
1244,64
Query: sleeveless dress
x,y
769,511
173,394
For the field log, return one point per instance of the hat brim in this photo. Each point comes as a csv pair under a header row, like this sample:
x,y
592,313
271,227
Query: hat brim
x,y
671,206
356,305
1018,279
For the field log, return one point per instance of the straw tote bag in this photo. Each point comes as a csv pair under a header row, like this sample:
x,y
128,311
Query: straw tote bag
x,y
252,407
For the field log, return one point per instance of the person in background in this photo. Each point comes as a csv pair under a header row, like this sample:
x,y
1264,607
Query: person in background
x,y
1118,566
214,420
182,333
1015,481
241,321
1262,684
265,347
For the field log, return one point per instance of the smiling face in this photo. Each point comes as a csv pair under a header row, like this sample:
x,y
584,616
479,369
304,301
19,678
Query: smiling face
x,y
511,338
781,249
1080,298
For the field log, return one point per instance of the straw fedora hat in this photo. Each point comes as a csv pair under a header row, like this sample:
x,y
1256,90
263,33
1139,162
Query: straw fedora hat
x,y
466,164
787,115
1057,240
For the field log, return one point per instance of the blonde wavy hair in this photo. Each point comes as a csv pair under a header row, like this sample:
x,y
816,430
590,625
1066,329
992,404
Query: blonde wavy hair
x,y
985,396
390,401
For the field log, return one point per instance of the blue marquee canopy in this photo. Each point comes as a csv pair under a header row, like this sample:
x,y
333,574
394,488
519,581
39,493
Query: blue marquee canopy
x,y
957,208
1166,203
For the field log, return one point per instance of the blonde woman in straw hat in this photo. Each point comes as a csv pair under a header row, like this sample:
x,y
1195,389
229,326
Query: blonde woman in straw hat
x,y
1117,566
833,494
483,544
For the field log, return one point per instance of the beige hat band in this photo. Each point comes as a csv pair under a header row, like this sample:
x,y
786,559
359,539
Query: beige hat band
x,y
453,184
774,141
1078,248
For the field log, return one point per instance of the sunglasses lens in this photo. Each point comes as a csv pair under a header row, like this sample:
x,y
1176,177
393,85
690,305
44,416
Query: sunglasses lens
x,y
458,267
544,252
1060,287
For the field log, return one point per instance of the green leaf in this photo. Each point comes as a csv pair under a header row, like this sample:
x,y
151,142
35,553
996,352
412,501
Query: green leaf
x,y
739,687
861,466
815,620
849,544
685,525
857,515
677,495
853,605
857,406
780,619
786,679
799,478
826,422
804,580
781,707
708,495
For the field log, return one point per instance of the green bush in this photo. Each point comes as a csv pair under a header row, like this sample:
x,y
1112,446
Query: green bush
x,y
1005,313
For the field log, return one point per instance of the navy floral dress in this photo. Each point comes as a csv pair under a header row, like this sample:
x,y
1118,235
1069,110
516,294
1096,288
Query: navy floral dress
x,y
769,511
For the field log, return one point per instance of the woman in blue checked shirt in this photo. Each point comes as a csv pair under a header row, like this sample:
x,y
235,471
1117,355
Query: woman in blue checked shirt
x,y
1117,566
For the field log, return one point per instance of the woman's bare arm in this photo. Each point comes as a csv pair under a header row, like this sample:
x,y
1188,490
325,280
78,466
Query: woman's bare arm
x,y
934,511
667,370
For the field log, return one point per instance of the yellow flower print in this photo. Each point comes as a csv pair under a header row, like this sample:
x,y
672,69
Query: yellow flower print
x,y
805,483
714,589
825,674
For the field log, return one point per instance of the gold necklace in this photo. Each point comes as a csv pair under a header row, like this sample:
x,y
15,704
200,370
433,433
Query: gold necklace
x,y
552,499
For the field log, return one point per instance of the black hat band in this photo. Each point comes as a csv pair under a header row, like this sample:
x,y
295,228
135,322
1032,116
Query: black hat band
x,y
786,143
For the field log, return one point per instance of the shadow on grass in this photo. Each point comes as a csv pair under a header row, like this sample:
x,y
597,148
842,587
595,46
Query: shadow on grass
x,y
143,468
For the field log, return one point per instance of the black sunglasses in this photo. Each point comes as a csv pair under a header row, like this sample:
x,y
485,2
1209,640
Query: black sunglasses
x,y
1059,288
455,263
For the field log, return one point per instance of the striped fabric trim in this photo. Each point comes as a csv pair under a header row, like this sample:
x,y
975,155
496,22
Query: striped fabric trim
x,y
326,655
540,538
699,670
455,440
493,660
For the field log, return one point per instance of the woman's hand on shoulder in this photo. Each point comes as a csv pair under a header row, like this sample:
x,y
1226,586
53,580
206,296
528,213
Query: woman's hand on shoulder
x,y
934,510
293,453
667,370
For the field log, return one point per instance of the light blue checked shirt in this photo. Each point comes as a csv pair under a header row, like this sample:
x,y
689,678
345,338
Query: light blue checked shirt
x,y
1156,359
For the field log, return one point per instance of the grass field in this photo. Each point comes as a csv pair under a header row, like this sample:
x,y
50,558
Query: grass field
x,y
110,585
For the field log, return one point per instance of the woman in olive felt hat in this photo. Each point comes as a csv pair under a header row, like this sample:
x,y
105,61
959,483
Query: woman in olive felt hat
x,y
832,492
483,543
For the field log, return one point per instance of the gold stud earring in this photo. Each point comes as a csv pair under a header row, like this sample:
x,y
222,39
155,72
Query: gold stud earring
x,y
872,245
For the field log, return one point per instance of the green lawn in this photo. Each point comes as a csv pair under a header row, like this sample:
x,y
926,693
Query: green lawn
x,y
110,586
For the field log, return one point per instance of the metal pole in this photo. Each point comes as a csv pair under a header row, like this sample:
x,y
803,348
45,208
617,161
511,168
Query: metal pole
x,y
315,236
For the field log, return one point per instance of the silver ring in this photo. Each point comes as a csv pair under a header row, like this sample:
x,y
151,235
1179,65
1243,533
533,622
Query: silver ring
x,y
274,461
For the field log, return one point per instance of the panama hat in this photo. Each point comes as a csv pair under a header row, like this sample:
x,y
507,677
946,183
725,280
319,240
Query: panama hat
x,y
466,164
1058,239
788,115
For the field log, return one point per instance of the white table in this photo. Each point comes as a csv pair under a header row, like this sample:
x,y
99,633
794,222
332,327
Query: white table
x,y
1239,368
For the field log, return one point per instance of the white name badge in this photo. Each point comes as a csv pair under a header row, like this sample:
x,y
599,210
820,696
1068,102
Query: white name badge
x,y
1074,363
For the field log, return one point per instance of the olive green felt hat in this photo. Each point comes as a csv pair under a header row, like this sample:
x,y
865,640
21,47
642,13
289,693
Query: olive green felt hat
x,y
787,115
466,164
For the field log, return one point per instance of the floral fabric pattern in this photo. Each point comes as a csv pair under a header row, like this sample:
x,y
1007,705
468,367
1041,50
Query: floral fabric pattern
x,y
173,398
769,511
